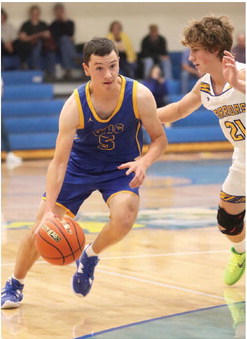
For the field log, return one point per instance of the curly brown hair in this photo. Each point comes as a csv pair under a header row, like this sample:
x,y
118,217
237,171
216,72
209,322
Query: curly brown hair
x,y
212,33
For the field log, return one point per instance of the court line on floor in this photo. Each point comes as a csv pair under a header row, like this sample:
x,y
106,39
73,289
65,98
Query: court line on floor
x,y
146,255
151,282
156,283
94,334
164,254
141,256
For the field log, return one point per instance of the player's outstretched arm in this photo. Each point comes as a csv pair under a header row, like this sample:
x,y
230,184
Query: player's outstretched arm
x,y
68,123
148,115
181,109
234,77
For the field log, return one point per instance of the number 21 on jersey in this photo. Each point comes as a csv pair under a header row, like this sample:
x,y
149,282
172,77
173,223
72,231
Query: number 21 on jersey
x,y
237,129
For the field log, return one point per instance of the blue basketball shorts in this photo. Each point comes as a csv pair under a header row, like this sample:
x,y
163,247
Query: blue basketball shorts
x,y
78,187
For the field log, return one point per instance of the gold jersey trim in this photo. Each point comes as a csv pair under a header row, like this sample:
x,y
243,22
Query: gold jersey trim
x,y
205,87
134,99
80,111
234,199
111,196
117,108
137,141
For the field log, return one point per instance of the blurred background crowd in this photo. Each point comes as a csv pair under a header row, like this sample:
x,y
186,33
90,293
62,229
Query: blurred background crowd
x,y
37,44
45,42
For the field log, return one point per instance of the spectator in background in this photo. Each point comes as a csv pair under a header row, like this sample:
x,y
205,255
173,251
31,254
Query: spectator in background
x,y
157,85
189,73
62,30
154,51
127,54
8,35
239,49
32,35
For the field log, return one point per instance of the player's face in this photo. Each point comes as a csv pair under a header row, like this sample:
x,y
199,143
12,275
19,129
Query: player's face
x,y
103,69
202,59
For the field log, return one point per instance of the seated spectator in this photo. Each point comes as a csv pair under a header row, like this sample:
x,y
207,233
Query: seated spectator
x,y
154,51
189,72
239,49
8,35
157,85
32,35
127,54
62,30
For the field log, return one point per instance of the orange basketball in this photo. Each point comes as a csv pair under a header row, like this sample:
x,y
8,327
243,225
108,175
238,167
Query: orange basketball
x,y
60,241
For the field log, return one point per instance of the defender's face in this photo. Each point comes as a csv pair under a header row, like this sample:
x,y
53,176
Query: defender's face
x,y
103,69
202,58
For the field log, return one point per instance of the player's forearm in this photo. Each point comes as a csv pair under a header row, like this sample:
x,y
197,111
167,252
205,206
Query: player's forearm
x,y
169,113
54,181
156,149
241,86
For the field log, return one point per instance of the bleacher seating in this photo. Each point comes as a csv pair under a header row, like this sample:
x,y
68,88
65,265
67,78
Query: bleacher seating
x,y
200,126
29,110
11,62
28,92
176,58
33,141
173,87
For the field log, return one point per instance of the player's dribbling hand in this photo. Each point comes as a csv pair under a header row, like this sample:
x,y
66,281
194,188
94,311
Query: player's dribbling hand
x,y
46,215
138,168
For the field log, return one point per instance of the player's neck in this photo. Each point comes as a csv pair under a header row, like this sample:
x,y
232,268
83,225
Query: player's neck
x,y
217,78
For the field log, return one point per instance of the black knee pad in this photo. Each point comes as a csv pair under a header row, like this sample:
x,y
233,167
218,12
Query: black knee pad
x,y
233,224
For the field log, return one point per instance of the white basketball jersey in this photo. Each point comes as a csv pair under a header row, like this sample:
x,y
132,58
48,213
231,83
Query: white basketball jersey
x,y
229,106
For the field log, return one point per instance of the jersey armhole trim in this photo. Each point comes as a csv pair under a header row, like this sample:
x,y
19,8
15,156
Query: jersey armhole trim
x,y
134,99
80,110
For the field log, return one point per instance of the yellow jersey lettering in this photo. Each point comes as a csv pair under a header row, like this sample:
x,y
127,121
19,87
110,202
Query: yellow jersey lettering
x,y
236,108
107,136
242,107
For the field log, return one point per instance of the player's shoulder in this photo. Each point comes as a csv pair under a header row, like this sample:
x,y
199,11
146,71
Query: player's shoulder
x,y
143,91
69,107
69,116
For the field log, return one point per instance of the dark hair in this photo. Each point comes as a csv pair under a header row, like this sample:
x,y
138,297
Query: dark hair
x,y
4,13
58,6
32,8
98,46
211,33
115,23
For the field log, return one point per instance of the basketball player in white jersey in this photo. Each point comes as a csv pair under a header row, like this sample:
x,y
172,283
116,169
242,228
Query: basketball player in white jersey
x,y
221,89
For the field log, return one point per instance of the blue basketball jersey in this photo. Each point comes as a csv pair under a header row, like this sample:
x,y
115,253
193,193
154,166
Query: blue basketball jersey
x,y
100,145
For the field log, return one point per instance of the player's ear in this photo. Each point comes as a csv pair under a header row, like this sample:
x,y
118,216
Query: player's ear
x,y
86,70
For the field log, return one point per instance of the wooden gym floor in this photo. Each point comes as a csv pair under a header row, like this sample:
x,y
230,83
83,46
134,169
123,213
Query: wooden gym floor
x,y
163,281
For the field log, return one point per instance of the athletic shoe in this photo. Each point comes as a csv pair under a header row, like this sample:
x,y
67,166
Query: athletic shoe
x,y
11,295
235,267
83,279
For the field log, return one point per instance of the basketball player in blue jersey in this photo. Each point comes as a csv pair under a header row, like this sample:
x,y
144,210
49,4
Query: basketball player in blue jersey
x,y
222,90
98,148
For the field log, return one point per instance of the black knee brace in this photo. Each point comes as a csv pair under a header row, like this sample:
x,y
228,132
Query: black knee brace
x,y
233,224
